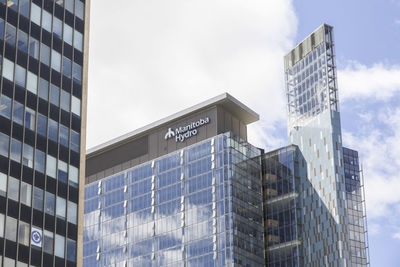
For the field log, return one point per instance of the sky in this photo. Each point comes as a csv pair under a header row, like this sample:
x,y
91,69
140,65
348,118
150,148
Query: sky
x,y
153,58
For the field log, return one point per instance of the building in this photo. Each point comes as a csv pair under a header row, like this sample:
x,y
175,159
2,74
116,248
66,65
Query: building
x,y
183,191
43,94
329,202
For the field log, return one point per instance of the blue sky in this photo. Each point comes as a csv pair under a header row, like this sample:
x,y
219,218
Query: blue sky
x,y
170,55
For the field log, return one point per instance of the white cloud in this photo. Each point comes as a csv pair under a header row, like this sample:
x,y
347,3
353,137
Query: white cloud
x,y
149,59
379,149
359,81
396,236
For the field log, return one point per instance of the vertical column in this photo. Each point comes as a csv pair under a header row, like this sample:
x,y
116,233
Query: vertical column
x,y
126,197
214,201
99,192
153,208
183,205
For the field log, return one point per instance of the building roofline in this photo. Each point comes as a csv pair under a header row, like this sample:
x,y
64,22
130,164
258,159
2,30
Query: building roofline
x,y
231,104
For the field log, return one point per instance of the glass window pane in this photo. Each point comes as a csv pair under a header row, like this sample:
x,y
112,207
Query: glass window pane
x,y
72,212
33,47
8,69
55,60
59,246
51,166
8,261
27,159
13,188
42,124
46,20
64,134
43,89
2,225
23,233
78,40
53,130
2,28
11,229
31,83
54,95
30,118
16,147
62,171
20,74
48,242
13,4
65,101
50,203
3,184
11,34
4,144
69,5
24,7
40,161
67,67
73,176
5,106
35,14
26,193
75,141
76,106
45,54
77,76
61,207
37,198
18,113
22,41
68,34
57,27
71,250
79,9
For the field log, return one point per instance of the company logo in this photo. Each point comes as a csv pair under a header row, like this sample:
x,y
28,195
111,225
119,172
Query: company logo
x,y
169,134
36,238
183,132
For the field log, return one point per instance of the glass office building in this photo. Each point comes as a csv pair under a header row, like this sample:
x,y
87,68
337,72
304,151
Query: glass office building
x,y
43,63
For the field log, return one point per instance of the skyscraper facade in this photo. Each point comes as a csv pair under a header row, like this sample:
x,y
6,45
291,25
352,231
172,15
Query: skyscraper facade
x,y
183,191
314,126
43,93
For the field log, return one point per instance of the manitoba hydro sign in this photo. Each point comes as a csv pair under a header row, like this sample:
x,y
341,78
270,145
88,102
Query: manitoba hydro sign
x,y
183,132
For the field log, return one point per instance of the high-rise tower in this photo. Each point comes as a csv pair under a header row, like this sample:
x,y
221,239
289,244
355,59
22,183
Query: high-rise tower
x,y
43,93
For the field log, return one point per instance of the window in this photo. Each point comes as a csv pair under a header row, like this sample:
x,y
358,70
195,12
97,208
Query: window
x,y
46,20
11,229
77,76
13,188
71,250
69,5
11,34
16,147
55,60
26,194
48,242
67,66
75,141
33,47
68,34
20,74
59,246
42,124
24,7
23,233
61,207
50,203
37,198
65,101
73,176
30,118
13,4
62,171
53,130
78,40
54,95
27,158
5,106
31,83
1,28
22,41
1,225
64,134
40,161
3,184
18,113
45,54
4,144
35,14
51,166
57,27
72,212
43,89
76,106
8,69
